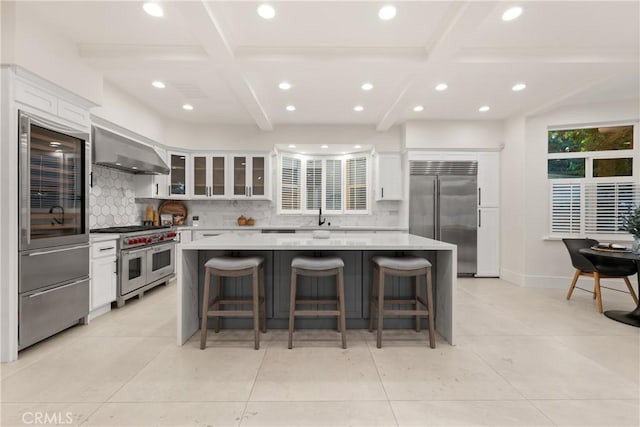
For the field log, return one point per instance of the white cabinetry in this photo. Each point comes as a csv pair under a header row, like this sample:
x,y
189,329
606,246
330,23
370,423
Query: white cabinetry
x,y
184,236
489,179
388,173
179,176
208,176
250,175
152,186
104,276
488,242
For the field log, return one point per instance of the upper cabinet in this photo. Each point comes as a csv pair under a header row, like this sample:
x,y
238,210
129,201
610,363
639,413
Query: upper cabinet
x,y
179,175
250,176
208,176
388,172
152,186
489,179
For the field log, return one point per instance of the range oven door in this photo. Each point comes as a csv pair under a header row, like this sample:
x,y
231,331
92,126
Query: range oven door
x,y
160,261
133,271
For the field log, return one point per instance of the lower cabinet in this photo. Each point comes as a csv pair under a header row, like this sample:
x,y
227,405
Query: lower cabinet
x,y
488,242
104,276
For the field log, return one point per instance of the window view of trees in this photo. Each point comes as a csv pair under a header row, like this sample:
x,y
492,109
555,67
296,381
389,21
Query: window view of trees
x,y
591,139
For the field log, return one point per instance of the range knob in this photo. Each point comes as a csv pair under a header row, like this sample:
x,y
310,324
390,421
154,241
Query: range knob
x,y
130,242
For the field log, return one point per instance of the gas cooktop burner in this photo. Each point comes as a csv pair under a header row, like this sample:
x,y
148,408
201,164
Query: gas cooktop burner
x,y
129,229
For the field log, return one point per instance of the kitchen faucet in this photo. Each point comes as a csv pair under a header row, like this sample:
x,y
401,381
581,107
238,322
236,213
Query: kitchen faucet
x,y
320,220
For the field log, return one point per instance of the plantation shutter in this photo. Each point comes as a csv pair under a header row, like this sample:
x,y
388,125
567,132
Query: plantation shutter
x,y
333,190
290,184
356,184
607,203
565,207
314,184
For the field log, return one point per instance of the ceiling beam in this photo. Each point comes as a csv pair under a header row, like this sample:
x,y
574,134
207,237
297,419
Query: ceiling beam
x,y
142,52
613,55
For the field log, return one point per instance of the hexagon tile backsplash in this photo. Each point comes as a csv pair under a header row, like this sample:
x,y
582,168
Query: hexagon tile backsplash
x,y
112,199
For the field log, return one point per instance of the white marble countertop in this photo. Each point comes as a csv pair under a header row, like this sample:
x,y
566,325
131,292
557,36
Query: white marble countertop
x,y
305,241
294,227
102,237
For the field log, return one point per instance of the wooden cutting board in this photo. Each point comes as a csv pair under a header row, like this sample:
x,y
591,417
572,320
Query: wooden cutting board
x,y
174,207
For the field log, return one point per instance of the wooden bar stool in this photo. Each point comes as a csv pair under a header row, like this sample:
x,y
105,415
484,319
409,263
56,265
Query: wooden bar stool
x,y
224,266
401,266
318,267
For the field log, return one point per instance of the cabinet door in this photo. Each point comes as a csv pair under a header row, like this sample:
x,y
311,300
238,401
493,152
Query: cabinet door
x,y
489,179
178,176
200,170
258,176
161,182
218,176
239,177
103,282
184,236
389,172
488,242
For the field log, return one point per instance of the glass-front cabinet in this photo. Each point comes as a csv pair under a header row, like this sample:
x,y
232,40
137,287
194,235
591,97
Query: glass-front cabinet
x,y
250,176
178,177
208,173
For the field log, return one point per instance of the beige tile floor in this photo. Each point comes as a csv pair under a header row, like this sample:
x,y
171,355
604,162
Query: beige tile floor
x,y
525,357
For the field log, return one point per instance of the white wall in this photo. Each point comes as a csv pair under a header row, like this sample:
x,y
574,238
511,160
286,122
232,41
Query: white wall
x,y
453,135
545,262
249,137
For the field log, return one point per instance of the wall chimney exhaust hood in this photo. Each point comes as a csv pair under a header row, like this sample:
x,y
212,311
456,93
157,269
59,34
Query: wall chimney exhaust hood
x,y
116,151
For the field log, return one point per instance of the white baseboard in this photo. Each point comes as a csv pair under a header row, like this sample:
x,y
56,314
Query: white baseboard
x,y
557,282
512,277
99,311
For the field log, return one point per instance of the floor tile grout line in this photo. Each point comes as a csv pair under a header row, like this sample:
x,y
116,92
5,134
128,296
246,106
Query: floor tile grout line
x,y
395,418
255,380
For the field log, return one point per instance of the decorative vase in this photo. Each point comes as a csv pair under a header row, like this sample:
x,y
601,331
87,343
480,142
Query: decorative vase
x,y
635,246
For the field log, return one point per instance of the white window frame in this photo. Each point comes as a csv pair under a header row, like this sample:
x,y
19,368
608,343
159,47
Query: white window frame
x,y
589,179
303,183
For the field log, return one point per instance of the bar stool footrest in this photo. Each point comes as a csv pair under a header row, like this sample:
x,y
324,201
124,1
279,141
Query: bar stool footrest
x,y
314,313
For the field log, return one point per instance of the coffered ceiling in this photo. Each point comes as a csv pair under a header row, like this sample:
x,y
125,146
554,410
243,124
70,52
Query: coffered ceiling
x,y
227,61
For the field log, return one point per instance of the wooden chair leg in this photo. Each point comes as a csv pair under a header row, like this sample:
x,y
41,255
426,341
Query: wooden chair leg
x,y
374,289
263,295
416,286
576,275
256,308
218,284
432,336
631,291
341,317
596,277
292,306
205,309
380,307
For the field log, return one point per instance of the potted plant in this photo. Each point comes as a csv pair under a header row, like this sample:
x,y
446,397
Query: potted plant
x,y
631,224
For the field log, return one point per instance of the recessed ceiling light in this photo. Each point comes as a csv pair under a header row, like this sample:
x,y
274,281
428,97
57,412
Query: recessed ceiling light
x,y
357,146
511,13
358,108
292,146
387,12
154,9
266,11
441,87
484,108
324,146
284,85
291,108
187,107
158,84
54,144
367,86
418,108
518,87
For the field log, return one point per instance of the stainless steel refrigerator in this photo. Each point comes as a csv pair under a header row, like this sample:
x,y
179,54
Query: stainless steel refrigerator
x,y
443,206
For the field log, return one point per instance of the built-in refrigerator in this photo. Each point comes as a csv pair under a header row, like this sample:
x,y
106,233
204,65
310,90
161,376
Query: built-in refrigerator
x,y
53,276
443,206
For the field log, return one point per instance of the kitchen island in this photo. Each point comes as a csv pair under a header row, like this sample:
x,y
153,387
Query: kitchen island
x,y
356,249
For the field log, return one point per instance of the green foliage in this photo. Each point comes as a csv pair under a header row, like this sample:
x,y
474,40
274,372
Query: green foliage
x,y
631,222
590,139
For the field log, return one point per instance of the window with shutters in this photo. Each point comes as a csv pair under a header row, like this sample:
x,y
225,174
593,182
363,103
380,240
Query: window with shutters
x,y
593,176
338,185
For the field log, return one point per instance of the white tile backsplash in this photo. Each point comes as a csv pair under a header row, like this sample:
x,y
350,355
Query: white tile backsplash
x,y
112,199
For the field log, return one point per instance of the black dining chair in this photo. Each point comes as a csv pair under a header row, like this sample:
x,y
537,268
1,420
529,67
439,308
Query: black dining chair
x,y
598,267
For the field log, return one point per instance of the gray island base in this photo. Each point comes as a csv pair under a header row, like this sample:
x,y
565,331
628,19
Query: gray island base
x,y
356,250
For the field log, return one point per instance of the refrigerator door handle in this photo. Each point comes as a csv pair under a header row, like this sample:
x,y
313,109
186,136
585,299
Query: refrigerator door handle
x,y
436,209
479,218
479,196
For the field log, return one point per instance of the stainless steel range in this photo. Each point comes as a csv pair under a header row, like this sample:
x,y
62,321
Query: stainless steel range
x,y
146,258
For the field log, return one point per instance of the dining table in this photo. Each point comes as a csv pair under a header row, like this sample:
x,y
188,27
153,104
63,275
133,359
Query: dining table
x,y
629,317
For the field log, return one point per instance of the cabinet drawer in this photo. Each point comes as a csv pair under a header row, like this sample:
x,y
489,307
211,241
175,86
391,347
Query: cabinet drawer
x,y
36,97
103,249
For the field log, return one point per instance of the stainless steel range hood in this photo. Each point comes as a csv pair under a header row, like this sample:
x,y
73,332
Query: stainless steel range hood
x,y
116,151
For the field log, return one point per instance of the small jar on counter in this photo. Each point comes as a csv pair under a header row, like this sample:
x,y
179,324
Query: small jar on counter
x,y
195,221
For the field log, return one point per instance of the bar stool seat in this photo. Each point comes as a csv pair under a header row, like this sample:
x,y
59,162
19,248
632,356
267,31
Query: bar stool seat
x,y
225,266
318,267
414,267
